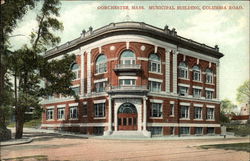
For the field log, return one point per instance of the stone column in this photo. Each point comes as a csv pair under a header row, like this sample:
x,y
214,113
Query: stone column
x,y
175,72
82,73
144,114
217,80
167,78
110,114
88,72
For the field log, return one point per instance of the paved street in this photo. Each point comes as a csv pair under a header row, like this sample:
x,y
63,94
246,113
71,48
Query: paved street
x,y
58,147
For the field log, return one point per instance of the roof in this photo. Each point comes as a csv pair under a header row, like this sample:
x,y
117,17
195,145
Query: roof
x,y
241,117
139,28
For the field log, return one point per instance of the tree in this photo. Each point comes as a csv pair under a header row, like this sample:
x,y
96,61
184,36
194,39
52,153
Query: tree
x,y
227,106
243,92
30,67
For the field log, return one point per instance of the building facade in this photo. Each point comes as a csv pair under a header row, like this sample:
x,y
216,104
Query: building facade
x,y
131,76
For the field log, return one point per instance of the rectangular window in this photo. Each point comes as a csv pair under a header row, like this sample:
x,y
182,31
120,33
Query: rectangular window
x,y
184,112
184,130
156,131
209,94
154,67
197,92
50,114
210,113
101,67
61,113
210,130
76,90
196,76
100,86
73,112
85,110
209,78
198,130
172,130
183,91
171,113
182,73
156,109
197,112
127,82
99,110
154,86
76,74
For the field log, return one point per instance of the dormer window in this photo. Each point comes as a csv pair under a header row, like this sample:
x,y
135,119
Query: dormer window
x,y
182,70
127,57
209,76
196,73
101,64
154,63
75,69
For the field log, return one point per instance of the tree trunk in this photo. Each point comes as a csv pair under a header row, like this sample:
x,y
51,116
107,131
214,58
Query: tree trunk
x,y
19,122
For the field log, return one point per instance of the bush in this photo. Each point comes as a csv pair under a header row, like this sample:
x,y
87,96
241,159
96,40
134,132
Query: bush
x,y
239,129
5,134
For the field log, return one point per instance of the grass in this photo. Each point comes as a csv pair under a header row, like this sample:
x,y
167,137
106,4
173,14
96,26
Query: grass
x,y
29,124
37,157
235,146
240,130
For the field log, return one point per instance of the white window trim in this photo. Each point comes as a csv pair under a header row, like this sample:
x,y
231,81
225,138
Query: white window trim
x,y
184,103
172,103
127,77
197,87
156,101
209,89
155,80
50,107
99,118
61,106
84,103
101,80
198,105
210,106
99,101
73,104
201,114
183,85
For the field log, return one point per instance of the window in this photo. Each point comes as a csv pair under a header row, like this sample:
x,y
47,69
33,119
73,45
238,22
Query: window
x,y
172,130
198,130
210,113
183,91
76,90
60,113
209,76
127,82
99,110
100,86
156,131
75,70
156,110
85,110
73,112
184,112
101,64
196,73
184,130
154,63
127,57
50,114
209,94
98,130
171,113
197,112
182,70
154,86
197,92
210,130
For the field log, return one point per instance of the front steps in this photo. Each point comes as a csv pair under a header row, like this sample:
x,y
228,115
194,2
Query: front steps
x,y
128,133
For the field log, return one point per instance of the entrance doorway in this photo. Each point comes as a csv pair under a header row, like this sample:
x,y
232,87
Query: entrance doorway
x,y
127,117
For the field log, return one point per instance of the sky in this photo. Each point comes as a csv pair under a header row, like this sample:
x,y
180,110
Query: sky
x,y
229,29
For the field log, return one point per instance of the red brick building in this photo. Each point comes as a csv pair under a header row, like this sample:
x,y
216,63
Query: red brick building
x,y
134,77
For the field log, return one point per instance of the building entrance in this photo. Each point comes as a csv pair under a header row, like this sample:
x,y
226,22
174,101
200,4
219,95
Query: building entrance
x,y
127,117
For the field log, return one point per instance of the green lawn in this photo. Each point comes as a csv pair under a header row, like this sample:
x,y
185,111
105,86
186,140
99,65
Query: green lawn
x,y
234,146
29,124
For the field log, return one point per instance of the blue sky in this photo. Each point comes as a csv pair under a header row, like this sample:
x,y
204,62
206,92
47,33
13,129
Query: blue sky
x,y
227,28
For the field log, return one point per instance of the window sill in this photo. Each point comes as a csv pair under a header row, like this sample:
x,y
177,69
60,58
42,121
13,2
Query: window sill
x,y
61,119
197,81
84,116
209,83
171,115
99,118
99,73
74,119
50,120
156,117
198,119
210,119
184,118
155,73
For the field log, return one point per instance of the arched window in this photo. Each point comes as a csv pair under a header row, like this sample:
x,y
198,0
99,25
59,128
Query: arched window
x,y
209,76
127,57
154,63
196,73
75,69
182,70
101,64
